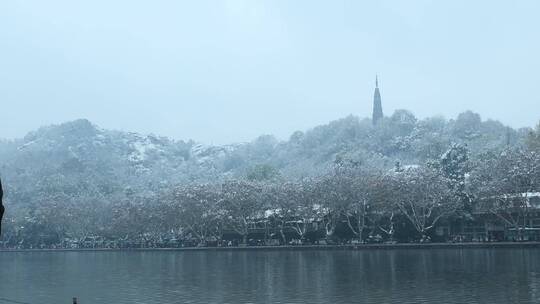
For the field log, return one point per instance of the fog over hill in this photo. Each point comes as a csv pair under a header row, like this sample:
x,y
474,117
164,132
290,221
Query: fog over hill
x,y
79,159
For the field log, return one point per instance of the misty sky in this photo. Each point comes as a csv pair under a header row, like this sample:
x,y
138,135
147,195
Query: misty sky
x,y
228,71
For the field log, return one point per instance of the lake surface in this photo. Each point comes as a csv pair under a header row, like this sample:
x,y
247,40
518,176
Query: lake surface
x,y
310,276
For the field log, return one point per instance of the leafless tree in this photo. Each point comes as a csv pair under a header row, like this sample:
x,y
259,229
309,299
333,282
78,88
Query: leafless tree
x,y
423,196
503,185
241,203
198,210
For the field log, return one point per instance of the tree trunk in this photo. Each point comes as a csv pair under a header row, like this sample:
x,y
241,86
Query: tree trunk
x,y
284,239
329,227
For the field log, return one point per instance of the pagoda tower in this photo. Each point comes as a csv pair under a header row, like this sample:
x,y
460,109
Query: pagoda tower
x,y
377,104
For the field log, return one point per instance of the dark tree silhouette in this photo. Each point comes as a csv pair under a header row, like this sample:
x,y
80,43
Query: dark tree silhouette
x,y
2,209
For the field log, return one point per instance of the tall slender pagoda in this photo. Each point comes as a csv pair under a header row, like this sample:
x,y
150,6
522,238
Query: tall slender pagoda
x,y
377,104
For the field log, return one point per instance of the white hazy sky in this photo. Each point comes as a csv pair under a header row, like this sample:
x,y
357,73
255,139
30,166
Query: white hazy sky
x,y
228,71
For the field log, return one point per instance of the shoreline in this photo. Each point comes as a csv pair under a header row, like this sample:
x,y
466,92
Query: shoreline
x,y
514,245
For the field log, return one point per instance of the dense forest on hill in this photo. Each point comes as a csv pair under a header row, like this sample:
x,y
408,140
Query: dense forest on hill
x,y
76,179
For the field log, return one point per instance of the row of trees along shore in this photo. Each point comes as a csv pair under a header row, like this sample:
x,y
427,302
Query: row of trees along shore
x,y
349,202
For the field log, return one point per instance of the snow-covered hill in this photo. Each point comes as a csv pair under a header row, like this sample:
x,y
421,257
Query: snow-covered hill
x,y
79,159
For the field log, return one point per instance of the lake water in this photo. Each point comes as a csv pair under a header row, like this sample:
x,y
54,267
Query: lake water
x,y
310,276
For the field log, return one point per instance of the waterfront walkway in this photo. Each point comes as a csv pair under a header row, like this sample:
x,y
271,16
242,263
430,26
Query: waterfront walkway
x,y
310,247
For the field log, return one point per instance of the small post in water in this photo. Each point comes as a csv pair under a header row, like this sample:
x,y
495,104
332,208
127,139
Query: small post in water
x,y
74,300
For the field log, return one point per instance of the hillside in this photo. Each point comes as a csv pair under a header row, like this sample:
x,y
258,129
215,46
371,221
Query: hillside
x,y
80,161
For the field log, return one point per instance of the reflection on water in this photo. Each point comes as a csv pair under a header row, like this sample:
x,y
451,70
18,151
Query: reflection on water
x,y
333,276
